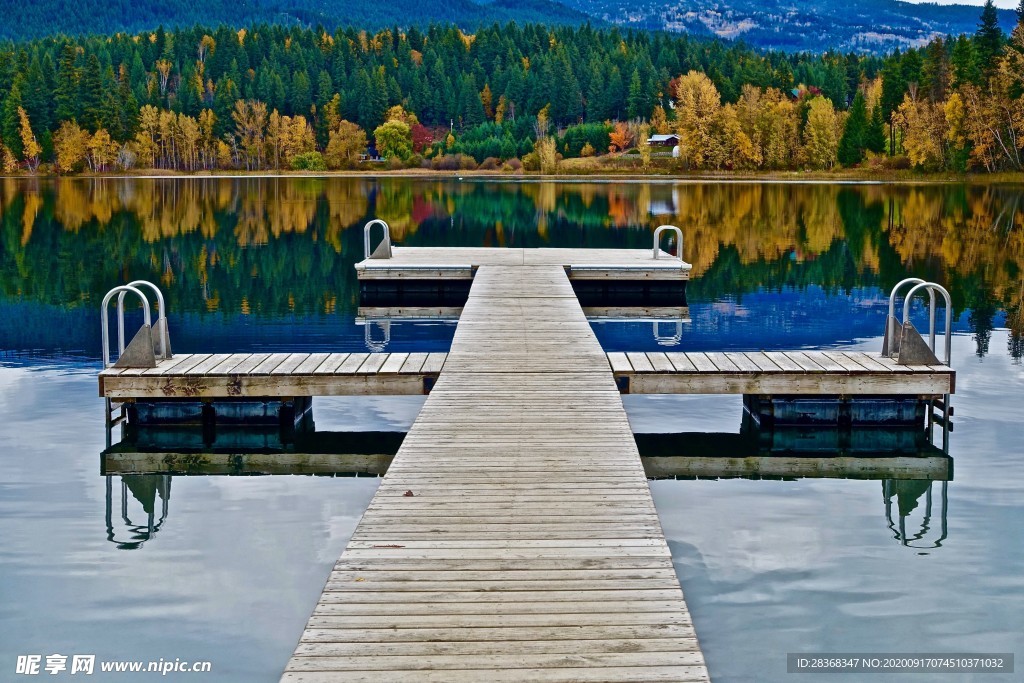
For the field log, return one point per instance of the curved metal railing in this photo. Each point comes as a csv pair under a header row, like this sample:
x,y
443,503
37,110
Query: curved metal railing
x,y
105,321
931,288
657,240
161,318
366,237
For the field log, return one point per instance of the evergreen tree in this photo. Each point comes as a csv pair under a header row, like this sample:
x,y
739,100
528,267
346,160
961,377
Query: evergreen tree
x,y
989,37
9,120
874,137
302,97
894,87
66,94
964,63
636,101
935,70
853,141
90,96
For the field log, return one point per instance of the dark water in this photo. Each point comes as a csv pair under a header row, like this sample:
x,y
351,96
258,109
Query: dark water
x,y
232,571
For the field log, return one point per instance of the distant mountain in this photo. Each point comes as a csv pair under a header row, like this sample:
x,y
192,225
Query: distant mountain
x,y
30,19
816,25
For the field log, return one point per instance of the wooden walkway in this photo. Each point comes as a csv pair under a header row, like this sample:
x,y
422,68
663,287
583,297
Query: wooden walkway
x,y
514,537
777,372
274,375
287,375
459,263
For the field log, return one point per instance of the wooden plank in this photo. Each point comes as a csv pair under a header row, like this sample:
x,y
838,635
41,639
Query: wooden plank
x,y
722,362
680,362
372,364
785,363
619,362
394,363
352,363
660,362
434,363
331,364
844,362
287,367
701,362
805,363
211,362
166,365
250,363
312,362
183,367
742,362
228,364
414,363
867,361
268,365
827,364
639,362
763,363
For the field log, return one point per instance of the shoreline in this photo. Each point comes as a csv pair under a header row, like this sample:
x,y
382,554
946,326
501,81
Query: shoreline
x,y
842,177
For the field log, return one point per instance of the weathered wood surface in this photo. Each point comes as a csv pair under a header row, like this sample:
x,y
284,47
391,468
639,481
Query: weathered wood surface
x,y
186,462
458,263
274,375
514,537
778,372
936,468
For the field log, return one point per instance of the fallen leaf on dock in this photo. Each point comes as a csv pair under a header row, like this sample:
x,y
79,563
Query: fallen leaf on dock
x,y
408,494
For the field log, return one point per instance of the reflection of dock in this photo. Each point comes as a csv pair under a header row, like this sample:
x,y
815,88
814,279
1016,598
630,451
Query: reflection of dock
x,y
934,468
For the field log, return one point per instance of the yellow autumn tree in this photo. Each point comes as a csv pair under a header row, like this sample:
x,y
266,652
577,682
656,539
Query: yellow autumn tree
x,y
697,105
924,129
821,134
643,145
346,143
487,99
70,145
29,145
101,151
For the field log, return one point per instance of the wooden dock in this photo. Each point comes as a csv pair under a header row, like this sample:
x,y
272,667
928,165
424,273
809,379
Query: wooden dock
x,y
514,537
460,263
275,375
840,373
288,375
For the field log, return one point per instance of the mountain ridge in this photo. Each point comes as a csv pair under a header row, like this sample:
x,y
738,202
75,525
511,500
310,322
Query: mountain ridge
x,y
790,25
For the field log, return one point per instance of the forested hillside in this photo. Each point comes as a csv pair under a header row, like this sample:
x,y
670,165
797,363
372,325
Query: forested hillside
x,y
39,18
276,97
863,26
816,25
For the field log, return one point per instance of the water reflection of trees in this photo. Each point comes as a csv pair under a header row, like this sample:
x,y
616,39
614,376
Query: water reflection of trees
x,y
272,245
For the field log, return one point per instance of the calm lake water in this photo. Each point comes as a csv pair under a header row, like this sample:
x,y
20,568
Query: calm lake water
x,y
235,563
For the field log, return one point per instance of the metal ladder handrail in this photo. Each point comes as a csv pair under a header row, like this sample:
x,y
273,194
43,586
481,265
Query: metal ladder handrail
x,y
892,304
657,240
161,315
366,235
105,322
932,287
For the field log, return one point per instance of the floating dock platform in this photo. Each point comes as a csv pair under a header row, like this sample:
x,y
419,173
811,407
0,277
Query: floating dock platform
x,y
513,537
